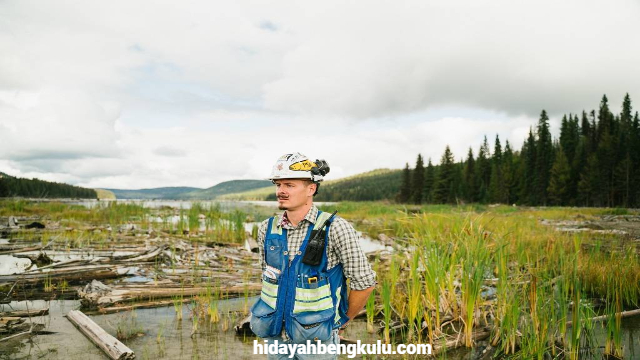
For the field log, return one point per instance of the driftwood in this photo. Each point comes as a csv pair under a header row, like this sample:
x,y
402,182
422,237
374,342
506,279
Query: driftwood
x,y
28,332
21,249
148,256
25,313
8,321
438,347
107,343
605,317
143,305
99,295
13,324
68,273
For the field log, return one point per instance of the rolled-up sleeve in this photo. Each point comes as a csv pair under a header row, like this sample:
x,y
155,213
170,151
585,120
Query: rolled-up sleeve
x,y
346,246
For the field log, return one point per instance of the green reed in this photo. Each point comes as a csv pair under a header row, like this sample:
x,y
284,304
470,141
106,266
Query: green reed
x,y
414,294
371,311
474,263
386,308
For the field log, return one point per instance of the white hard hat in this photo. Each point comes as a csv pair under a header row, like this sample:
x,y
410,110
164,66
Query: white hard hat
x,y
296,166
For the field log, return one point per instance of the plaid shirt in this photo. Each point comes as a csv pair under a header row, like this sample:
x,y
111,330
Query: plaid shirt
x,y
343,247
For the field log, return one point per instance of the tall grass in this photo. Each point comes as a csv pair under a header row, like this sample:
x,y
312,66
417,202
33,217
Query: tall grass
x,y
386,308
414,298
475,261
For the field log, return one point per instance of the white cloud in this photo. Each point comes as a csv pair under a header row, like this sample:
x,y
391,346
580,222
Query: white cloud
x,y
194,94
398,57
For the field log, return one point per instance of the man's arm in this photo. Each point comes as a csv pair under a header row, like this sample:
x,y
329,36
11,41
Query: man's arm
x,y
356,267
357,301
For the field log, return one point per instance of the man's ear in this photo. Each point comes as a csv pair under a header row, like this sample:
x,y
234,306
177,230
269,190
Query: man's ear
x,y
313,187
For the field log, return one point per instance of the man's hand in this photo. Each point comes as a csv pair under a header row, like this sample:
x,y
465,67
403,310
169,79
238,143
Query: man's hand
x,y
357,301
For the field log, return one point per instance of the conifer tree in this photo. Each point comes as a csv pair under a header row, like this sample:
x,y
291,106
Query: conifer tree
x,y
417,183
405,189
605,155
560,179
589,182
4,189
508,175
496,183
469,176
429,182
624,171
444,185
544,158
483,172
528,166
635,162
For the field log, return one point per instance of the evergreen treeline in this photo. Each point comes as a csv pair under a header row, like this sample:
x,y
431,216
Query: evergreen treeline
x,y
594,162
35,188
370,186
380,184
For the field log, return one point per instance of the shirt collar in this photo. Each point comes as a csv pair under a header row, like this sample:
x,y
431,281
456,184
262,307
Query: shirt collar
x,y
311,216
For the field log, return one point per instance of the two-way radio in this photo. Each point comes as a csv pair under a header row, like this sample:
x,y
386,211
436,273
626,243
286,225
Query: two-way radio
x,y
315,247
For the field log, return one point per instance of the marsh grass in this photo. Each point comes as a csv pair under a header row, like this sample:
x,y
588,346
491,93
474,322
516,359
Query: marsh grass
x,y
371,312
543,278
127,326
414,298
213,297
386,308
178,302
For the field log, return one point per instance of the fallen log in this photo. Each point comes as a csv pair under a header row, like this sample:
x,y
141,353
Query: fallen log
x,y
148,256
69,274
144,305
458,342
61,264
107,343
22,249
605,317
8,321
25,313
99,295
16,335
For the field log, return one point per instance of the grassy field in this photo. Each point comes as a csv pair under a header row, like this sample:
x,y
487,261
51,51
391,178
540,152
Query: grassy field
x,y
457,272
498,268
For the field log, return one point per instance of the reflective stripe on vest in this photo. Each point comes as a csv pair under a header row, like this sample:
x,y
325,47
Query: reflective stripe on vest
x,y
313,299
269,293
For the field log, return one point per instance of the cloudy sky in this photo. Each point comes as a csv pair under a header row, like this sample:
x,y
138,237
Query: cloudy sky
x,y
138,94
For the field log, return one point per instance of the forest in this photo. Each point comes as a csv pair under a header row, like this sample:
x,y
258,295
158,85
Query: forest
x,y
594,162
35,188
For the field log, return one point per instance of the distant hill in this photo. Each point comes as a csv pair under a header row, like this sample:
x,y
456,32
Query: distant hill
x,y
255,194
380,184
155,193
227,187
192,193
11,186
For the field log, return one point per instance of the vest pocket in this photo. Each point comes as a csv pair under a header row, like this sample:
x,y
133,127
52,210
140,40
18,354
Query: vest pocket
x,y
313,300
273,254
316,325
262,319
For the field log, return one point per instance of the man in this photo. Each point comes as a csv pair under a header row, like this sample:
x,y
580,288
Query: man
x,y
306,256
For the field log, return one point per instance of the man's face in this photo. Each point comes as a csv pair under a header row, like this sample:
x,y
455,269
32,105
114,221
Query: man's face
x,y
293,193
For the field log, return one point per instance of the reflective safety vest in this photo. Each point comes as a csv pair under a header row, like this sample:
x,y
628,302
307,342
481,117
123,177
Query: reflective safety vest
x,y
308,301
